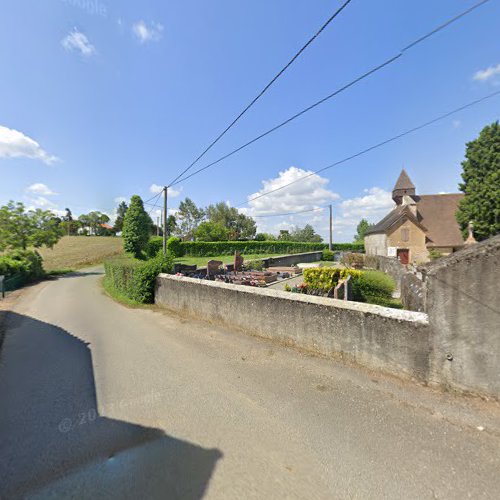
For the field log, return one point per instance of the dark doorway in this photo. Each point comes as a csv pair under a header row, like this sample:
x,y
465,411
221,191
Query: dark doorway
x,y
404,255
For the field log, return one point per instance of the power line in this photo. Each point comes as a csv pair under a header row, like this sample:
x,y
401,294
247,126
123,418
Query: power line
x,y
335,93
155,203
376,146
288,213
264,90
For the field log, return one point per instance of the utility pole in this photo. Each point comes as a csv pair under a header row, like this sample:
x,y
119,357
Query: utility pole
x,y
331,229
165,189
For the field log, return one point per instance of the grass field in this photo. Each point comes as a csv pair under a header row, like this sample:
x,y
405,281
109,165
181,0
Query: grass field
x,y
74,252
226,259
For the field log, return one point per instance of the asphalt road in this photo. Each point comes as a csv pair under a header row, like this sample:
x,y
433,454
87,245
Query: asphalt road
x,y
102,401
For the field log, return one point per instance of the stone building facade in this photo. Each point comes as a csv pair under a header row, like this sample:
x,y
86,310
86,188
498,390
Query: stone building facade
x,y
416,225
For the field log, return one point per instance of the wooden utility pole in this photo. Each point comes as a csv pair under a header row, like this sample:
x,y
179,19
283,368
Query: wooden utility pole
x,y
165,189
330,242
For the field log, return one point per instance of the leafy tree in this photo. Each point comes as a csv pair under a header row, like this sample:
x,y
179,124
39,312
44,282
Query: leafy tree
x,y
136,228
20,229
481,184
93,221
239,225
305,234
120,215
171,224
68,217
211,231
361,229
189,217
285,235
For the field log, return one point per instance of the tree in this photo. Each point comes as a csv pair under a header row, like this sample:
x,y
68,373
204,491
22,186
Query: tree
x,y
136,228
211,231
481,184
284,235
93,221
20,229
239,225
361,229
189,217
306,234
120,215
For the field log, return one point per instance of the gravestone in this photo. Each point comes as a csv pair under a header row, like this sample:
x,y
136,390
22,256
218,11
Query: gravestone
x,y
238,261
213,267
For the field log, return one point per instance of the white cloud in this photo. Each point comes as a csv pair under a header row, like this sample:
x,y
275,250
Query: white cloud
x,y
77,41
157,189
307,194
40,189
484,75
120,199
375,201
14,144
42,202
151,32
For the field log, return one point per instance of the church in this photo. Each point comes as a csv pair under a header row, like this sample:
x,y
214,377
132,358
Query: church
x,y
417,225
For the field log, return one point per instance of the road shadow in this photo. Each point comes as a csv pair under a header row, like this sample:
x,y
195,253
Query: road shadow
x,y
55,444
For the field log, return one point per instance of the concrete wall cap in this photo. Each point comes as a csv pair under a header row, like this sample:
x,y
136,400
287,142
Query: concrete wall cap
x,y
387,312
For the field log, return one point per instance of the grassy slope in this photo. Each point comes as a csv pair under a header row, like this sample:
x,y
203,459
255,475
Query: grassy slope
x,y
73,252
202,261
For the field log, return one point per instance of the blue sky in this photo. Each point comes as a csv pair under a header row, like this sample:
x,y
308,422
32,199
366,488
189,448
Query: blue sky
x,y
102,99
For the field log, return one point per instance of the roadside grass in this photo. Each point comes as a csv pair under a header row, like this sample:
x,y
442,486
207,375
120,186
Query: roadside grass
x,y
75,252
226,259
120,297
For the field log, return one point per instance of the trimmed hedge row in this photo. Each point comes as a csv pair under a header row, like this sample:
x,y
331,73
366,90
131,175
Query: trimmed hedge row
x,y
136,278
21,267
211,248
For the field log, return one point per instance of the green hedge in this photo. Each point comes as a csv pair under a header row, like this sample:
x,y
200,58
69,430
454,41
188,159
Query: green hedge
x,y
211,248
20,267
136,278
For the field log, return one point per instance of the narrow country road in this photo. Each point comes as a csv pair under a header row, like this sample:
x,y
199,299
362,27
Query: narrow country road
x,y
101,401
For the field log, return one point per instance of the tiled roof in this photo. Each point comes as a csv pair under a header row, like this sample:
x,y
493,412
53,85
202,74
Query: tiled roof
x,y
404,181
392,218
437,213
436,216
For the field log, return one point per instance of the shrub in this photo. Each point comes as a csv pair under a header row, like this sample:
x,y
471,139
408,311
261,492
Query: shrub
x,y
24,265
328,255
154,246
373,287
136,228
434,254
207,249
174,247
324,278
136,278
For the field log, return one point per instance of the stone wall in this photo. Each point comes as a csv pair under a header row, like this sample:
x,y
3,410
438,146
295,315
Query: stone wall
x,y
376,244
390,340
463,305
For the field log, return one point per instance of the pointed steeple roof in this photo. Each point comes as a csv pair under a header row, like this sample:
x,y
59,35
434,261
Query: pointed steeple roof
x,y
404,181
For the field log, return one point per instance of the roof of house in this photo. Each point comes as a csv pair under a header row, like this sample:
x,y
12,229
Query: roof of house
x,y
404,181
435,216
437,212
106,226
392,218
